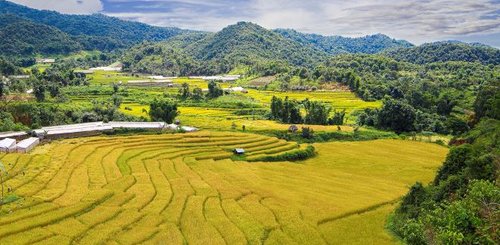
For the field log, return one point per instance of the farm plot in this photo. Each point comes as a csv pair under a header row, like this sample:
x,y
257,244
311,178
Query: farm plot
x,y
223,119
184,188
338,100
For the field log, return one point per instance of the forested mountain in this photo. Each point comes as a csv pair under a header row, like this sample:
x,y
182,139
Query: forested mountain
x,y
19,36
240,44
337,44
93,30
247,41
447,51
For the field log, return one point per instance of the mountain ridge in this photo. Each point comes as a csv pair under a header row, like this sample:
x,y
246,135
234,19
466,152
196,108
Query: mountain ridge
x,y
368,44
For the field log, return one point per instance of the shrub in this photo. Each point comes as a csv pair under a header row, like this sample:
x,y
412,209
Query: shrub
x,y
163,110
307,133
295,155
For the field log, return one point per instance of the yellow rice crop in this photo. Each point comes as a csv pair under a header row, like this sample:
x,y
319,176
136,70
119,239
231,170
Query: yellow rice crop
x,y
185,188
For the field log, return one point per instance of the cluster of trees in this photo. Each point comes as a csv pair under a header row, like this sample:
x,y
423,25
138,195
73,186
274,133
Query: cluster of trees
x,y
214,91
7,85
8,68
461,205
20,115
163,110
289,111
53,79
400,116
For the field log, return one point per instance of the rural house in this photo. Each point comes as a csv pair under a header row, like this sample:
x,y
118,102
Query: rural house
x,y
239,151
27,145
7,145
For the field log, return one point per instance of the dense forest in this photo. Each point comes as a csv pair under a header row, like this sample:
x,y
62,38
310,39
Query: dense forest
x,y
337,44
23,37
242,44
461,205
447,51
91,32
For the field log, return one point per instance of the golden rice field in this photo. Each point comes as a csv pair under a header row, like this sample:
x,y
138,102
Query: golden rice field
x,y
223,119
337,99
109,77
184,188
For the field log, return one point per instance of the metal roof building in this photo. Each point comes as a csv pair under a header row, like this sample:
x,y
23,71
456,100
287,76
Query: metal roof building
x,y
137,125
73,126
17,135
27,145
7,145
239,151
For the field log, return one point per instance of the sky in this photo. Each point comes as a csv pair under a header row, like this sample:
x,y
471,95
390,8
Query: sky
x,y
417,21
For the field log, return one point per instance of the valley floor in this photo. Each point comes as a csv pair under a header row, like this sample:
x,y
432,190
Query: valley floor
x,y
176,188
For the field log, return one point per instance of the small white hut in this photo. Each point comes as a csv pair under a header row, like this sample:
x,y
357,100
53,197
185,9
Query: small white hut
x,y
7,145
25,146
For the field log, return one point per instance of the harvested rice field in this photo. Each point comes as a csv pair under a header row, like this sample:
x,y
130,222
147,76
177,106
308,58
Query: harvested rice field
x,y
185,188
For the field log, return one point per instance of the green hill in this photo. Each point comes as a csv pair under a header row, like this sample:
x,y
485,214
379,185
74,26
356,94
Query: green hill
x,y
337,44
247,41
93,30
209,53
447,51
23,37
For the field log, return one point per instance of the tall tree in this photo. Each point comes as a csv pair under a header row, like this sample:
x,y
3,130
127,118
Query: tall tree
x,y
163,110
214,90
397,115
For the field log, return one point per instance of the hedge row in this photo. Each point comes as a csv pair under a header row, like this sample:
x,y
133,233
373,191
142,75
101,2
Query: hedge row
x,y
295,155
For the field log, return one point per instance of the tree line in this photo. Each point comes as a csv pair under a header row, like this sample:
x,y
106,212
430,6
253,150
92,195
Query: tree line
x,y
289,111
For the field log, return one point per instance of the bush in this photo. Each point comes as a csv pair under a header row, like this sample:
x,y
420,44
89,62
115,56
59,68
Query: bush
x,y
163,110
307,133
295,155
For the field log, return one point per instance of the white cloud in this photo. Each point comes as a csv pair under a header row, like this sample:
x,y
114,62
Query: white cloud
x,y
64,6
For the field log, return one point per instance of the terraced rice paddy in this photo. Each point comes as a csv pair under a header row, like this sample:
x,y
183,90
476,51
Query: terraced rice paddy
x,y
184,188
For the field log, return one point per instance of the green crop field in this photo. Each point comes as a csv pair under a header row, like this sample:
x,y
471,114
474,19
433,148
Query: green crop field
x,y
184,188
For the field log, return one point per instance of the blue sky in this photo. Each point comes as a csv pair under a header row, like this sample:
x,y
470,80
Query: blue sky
x,y
417,21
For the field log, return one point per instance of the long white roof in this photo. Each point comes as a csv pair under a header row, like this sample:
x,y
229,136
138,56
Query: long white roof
x,y
27,142
136,124
73,126
7,143
11,134
78,130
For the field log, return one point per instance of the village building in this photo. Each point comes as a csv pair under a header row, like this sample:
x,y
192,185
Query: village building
x,y
72,132
224,78
151,83
112,67
137,125
239,151
7,145
19,77
175,127
27,145
45,61
161,78
236,89
14,135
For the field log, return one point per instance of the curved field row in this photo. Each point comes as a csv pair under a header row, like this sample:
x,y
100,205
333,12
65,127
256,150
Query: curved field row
x,y
176,189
